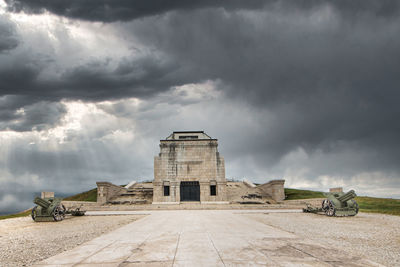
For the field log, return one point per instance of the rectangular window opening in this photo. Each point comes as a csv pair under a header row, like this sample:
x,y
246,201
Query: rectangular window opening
x,y
166,190
213,190
188,137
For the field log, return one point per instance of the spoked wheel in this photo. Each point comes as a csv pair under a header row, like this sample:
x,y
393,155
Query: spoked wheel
x,y
64,210
59,213
328,207
355,205
34,213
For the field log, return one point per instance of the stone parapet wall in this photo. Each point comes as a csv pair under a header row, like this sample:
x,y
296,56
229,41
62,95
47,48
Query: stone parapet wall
x,y
47,194
275,189
106,190
336,190
189,206
315,202
85,205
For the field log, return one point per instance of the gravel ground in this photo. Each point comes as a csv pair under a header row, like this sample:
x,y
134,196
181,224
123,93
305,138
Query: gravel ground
x,y
373,236
23,242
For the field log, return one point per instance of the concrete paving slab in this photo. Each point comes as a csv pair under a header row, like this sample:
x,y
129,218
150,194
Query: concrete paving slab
x,y
143,212
147,264
202,263
237,263
96,265
157,248
76,255
114,253
202,238
192,247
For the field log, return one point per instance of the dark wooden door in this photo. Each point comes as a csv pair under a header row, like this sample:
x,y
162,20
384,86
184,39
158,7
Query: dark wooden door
x,y
190,191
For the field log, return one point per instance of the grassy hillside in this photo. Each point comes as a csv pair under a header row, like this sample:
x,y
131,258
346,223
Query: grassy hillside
x,y
379,205
301,194
90,195
20,214
366,204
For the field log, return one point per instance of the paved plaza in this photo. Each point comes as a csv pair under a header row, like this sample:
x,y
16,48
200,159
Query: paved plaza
x,y
202,238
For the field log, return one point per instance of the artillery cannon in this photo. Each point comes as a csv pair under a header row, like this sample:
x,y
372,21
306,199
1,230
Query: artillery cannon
x,y
336,204
340,204
48,209
76,212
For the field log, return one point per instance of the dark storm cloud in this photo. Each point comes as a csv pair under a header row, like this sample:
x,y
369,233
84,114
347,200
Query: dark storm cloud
x,y
323,75
304,84
120,10
124,10
266,54
8,37
140,78
94,81
19,114
328,74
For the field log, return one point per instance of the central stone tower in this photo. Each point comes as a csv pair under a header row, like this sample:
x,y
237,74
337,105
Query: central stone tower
x,y
189,168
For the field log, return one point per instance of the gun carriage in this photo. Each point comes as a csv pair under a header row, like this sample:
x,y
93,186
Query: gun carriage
x,y
48,209
337,204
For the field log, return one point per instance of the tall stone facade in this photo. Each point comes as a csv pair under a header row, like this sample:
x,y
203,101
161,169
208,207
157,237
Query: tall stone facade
x,y
189,168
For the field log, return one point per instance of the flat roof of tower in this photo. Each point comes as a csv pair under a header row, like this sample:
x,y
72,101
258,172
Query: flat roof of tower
x,y
188,136
188,131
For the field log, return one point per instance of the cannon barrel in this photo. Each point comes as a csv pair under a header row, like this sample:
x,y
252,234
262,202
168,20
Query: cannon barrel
x,y
41,202
349,195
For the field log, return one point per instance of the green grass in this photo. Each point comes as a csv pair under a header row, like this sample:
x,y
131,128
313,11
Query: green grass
x,y
90,195
379,205
366,204
301,194
20,214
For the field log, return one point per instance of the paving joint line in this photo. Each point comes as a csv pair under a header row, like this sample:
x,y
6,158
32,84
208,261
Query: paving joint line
x,y
141,244
309,255
176,249
208,234
75,264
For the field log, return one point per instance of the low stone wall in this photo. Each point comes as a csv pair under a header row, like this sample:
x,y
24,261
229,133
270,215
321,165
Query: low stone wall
x,y
106,190
93,206
275,189
86,205
315,202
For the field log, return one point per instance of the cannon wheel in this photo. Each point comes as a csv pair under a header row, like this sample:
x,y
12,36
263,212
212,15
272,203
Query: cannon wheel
x,y
64,210
356,205
34,213
59,213
328,207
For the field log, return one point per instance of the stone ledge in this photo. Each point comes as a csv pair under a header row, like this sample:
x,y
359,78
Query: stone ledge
x,y
165,203
215,202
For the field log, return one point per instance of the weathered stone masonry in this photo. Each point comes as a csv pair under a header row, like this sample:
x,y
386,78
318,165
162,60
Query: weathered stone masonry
x,y
189,157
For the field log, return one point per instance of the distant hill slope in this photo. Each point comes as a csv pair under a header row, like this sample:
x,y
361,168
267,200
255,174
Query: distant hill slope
x,y
90,195
366,204
379,205
16,215
301,194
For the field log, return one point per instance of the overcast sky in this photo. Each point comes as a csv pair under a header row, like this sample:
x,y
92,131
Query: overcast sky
x,y
306,91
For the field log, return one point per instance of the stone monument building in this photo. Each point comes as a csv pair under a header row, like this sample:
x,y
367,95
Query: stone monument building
x,y
189,168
